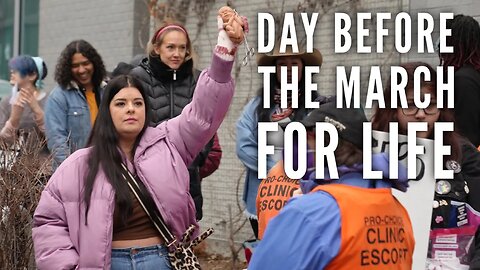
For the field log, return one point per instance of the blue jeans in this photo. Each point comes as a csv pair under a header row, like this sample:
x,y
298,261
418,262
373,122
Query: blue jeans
x,y
145,258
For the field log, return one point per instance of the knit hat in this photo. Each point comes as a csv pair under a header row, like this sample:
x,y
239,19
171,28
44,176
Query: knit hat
x,y
347,121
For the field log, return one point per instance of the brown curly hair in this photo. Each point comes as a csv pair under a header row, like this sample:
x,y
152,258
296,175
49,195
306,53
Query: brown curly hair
x,y
63,70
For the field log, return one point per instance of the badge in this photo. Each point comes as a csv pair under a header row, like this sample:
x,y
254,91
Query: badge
x,y
443,187
435,204
462,217
467,190
453,165
438,219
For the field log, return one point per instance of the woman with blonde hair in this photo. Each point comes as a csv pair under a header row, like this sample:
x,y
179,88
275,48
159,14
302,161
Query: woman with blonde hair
x,y
169,77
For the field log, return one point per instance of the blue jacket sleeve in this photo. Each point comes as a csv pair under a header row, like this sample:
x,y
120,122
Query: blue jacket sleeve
x,y
247,135
56,131
305,235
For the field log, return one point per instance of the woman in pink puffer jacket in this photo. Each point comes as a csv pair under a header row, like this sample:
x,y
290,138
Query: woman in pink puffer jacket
x,y
87,217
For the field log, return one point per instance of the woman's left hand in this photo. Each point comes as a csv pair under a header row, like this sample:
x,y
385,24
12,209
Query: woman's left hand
x,y
24,97
27,96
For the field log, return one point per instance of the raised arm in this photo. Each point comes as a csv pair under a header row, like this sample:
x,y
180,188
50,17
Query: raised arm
x,y
201,118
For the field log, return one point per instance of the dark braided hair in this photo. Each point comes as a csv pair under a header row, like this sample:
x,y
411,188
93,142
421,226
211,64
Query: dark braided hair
x,y
63,72
465,40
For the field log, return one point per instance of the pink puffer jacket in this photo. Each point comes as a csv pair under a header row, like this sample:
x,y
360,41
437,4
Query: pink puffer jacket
x,y
61,238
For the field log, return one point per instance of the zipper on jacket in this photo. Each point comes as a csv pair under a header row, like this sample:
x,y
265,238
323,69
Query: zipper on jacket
x,y
171,99
174,75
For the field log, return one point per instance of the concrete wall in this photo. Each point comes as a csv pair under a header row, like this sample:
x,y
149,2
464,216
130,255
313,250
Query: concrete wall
x,y
107,25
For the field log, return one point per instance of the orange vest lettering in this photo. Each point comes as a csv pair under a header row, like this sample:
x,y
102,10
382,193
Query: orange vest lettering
x,y
273,193
376,232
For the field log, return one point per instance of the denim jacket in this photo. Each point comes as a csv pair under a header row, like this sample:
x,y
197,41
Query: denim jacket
x,y
67,122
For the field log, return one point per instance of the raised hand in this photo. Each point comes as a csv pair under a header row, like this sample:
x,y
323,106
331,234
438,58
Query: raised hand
x,y
25,96
235,25
232,29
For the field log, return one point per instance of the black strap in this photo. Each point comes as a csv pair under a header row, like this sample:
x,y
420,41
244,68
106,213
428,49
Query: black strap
x,y
148,205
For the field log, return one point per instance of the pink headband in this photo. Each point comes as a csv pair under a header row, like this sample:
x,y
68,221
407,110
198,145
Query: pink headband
x,y
169,27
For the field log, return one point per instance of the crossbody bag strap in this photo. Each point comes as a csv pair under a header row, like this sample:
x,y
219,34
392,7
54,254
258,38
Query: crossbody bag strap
x,y
148,206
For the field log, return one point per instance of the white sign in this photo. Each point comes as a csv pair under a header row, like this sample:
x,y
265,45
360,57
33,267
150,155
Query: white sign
x,y
418,199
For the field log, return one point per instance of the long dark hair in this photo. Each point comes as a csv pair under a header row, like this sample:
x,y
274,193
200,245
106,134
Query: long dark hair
x,y
105,153
63,72
383,116
465,40
264,113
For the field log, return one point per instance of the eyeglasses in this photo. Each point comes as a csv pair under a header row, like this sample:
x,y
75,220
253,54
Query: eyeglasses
x,y
413,110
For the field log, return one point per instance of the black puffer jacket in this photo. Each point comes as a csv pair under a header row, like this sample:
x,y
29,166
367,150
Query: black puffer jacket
x,y
169,91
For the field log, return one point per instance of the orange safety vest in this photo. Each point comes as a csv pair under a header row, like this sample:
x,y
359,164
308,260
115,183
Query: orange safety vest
x,y
376,232
273,193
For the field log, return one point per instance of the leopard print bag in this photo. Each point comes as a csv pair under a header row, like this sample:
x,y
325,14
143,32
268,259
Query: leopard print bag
x,y
181,255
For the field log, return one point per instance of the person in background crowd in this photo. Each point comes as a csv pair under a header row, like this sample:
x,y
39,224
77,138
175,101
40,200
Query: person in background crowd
x,y
331,225
72,106
87,216
169,77
465,185
122,68
464,158
137,59
246,140
465,59
23,109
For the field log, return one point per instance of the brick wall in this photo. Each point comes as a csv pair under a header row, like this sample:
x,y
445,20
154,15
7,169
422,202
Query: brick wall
x,y
114,30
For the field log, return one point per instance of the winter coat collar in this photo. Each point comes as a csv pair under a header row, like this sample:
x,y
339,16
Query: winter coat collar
x,y
164,73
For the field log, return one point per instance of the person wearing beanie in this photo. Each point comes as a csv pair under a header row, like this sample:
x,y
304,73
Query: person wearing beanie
x,y
345,223
23,109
